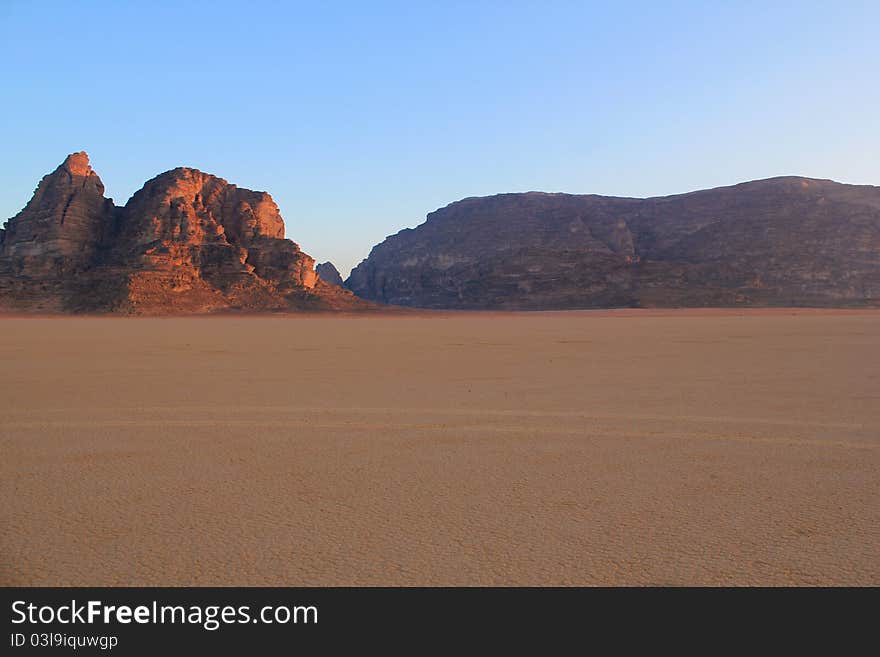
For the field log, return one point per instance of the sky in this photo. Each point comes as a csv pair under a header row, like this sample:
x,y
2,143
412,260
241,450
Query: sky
x,y
361,117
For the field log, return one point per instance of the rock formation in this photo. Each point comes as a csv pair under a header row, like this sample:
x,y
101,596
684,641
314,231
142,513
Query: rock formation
x,y
187,242
327,272
777,242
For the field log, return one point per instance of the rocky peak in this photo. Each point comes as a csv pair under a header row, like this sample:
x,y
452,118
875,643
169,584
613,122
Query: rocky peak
x,y
188,202
187,242
64,224
201,226
77,164
328,273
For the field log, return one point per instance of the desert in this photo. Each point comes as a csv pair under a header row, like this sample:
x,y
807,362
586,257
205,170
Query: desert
x,y
631,447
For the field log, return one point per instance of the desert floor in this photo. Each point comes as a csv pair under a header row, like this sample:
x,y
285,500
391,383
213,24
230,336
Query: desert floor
x,y
587,448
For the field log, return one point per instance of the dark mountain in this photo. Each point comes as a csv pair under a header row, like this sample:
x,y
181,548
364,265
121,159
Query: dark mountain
x,y
327,271
778,242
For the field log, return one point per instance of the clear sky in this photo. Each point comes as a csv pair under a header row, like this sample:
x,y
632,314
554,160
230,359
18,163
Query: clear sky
x,y
361,117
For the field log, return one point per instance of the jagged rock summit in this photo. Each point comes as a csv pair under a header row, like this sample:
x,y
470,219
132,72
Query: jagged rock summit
x,y
187,242
62,227
786,241
328,272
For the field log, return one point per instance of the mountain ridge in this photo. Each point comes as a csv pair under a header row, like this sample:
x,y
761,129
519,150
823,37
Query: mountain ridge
x,y
191,242
724,246
186,242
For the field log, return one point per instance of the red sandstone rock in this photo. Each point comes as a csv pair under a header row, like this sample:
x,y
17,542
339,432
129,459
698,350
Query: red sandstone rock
x,y
187,242
62,227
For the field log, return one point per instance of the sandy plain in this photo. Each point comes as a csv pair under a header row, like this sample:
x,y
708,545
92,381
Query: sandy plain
x,y
573,448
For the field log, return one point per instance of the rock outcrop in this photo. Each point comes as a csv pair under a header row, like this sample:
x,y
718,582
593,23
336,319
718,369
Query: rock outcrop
x,y
327,272
777,242
187,242
63,226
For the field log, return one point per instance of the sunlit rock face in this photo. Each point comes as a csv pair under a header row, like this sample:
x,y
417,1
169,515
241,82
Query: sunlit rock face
x,y
187,242
63,226
778,242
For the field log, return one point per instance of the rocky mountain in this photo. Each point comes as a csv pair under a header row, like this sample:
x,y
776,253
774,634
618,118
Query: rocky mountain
x,y
779,242
327,271
62,227
187,242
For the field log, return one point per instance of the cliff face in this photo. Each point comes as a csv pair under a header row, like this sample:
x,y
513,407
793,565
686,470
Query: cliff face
x,y
63,226
776,242
186,242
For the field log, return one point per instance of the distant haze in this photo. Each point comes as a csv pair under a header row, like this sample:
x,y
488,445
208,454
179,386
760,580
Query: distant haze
x,y
361,118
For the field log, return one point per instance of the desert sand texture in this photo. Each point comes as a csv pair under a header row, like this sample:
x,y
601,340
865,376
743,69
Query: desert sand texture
x,y
565,448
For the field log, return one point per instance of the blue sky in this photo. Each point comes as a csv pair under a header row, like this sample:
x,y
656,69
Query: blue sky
x,y
361,117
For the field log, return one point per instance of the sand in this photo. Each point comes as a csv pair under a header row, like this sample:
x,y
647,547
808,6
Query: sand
x,y
630,448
